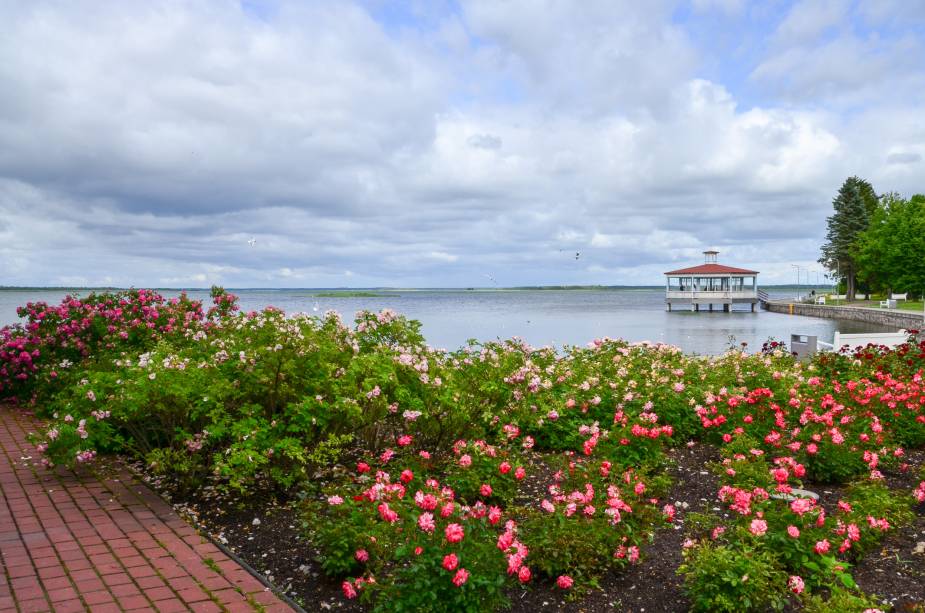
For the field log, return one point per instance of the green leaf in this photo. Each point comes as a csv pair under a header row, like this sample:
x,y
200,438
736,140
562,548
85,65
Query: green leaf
x,y
847,580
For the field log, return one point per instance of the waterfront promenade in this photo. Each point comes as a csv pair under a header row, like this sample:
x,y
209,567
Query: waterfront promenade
x,y
894,318
98,542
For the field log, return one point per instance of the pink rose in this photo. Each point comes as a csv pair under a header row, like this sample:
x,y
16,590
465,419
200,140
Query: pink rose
x,y
524,574
454,533
758,527
426,522
461,576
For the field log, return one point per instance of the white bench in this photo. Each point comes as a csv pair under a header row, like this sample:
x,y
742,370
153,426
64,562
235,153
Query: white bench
x,y
889,303
888,339
899,296
820,300
837,296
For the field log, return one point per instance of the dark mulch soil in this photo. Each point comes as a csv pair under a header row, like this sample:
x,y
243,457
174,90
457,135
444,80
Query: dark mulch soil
x,y
653,585
266,532
896,571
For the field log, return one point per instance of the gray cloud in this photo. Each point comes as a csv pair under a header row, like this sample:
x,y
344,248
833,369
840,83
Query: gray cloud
x,y
145,144
484,141
903,158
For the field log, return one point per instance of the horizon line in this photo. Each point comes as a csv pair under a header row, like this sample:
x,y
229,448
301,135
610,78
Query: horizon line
x,y
373,288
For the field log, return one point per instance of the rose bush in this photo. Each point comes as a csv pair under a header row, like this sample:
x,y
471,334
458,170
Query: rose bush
x,y
550,464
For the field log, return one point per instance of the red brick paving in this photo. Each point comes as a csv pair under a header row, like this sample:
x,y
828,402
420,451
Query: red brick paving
x,y
82,541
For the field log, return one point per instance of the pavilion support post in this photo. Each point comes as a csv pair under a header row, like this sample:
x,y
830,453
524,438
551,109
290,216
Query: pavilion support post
x,y
726,308
753,307
696,308
711,307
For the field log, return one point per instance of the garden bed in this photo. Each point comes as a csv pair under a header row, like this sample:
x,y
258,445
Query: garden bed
x,y
362,469
276,546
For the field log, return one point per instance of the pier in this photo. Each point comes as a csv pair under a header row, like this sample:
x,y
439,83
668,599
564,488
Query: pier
x,y
711,284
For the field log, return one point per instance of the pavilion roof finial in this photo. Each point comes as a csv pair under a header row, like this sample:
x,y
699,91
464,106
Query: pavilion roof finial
x,y
709,256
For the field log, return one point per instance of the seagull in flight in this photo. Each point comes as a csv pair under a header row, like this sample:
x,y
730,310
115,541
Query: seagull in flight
x,y
252,241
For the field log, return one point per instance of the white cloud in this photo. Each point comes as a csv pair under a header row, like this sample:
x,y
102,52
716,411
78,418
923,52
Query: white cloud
x,y
831,52
442,256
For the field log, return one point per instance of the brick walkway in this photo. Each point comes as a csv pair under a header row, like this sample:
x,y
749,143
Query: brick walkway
x,y
72,542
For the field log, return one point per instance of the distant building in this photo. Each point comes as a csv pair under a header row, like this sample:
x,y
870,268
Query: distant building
x,y
709,284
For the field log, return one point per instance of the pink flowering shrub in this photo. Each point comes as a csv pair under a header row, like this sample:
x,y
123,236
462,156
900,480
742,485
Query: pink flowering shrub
x,y
592,519
555,395
423,549
260,395
483,472
54,341
795,535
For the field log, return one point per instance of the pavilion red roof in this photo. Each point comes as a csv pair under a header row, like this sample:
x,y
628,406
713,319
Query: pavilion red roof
x,y
712,269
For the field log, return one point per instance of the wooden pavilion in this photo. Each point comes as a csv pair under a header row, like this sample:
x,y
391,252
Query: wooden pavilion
x,y
711,283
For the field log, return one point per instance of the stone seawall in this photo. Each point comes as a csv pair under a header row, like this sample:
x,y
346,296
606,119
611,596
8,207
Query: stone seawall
x,y
895,319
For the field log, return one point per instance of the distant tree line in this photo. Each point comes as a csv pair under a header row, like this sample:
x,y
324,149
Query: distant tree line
x,y
875,243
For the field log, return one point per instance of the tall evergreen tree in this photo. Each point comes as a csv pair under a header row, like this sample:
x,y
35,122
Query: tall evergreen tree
x,y
853,204
869,196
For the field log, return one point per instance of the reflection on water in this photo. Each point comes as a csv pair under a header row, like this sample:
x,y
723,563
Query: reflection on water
x,y
548,317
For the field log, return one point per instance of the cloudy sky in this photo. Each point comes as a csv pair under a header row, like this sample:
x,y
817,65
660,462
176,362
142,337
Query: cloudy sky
x,y
442,142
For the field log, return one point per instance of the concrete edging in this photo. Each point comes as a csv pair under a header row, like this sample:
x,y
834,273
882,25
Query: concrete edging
x,y
895,319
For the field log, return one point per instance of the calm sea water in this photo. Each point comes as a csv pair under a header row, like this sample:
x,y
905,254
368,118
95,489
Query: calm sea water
x,y
541,317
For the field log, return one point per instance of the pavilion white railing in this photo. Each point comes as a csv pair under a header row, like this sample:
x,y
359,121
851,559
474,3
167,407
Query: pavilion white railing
x,y
677,293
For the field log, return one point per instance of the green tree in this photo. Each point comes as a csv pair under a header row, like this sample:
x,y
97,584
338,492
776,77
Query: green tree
x,y
872,202
891,252
853,204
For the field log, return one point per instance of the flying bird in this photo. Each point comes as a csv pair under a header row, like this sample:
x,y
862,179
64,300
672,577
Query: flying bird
x,y
577,255
252,241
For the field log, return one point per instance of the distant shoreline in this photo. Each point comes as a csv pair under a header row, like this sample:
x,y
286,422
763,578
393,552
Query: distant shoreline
x,y
14,288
